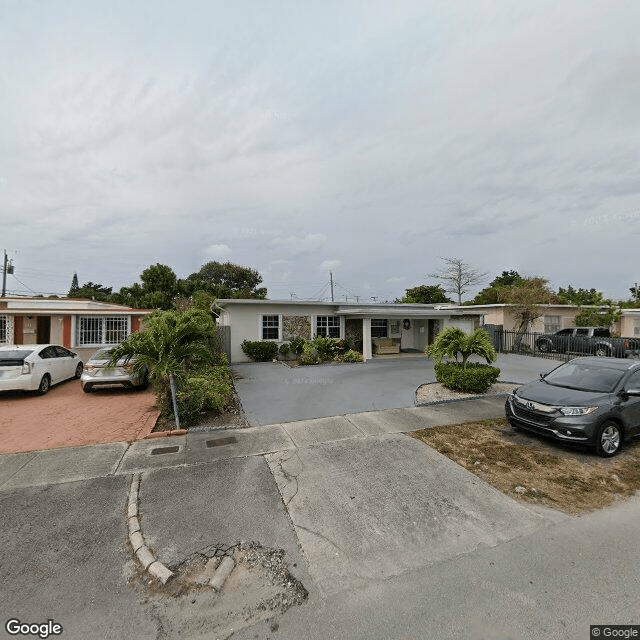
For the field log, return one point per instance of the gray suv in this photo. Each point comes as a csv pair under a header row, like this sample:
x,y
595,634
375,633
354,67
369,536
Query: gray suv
x,y
594,401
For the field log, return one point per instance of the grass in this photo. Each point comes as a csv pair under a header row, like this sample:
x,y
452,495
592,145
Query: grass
x,y
573,481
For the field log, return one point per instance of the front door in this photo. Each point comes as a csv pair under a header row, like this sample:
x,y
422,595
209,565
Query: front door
x,y
44,329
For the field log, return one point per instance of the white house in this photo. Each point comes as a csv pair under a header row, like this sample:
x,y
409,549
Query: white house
x,y
390,327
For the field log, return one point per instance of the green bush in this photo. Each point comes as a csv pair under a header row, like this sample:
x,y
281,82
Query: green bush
x,y
260,351
474,377
326,348
352,356
297,345
203,392
284,349
309,355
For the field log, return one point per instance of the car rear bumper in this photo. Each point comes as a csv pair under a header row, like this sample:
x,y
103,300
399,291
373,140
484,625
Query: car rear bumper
x,y
20,383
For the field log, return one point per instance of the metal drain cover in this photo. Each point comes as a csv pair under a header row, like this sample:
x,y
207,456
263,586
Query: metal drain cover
x,y
219,442
160,450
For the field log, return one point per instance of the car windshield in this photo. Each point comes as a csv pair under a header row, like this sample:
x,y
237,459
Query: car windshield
x,y
14,356
103,354
585,377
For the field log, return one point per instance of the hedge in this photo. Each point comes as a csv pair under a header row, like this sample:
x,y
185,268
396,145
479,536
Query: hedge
x,y
260,351
474,377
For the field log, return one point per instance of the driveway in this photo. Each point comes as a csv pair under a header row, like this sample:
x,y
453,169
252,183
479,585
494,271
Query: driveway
x,y
66,416
272,393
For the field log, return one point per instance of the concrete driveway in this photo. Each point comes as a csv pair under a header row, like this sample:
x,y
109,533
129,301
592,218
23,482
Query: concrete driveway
x,y
272,393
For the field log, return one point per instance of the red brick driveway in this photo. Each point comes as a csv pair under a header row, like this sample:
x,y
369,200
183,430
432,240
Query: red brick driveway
x,y
66,416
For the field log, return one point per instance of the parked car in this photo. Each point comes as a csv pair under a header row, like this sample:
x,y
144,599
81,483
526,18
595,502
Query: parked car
x,y
98,374
36,367
588,340
594,401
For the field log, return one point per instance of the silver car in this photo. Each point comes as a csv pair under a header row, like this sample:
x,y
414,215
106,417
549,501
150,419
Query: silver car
x,y
36,367
97,374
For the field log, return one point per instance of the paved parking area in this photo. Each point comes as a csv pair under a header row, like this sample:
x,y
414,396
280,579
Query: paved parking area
x,y
66,416
272,393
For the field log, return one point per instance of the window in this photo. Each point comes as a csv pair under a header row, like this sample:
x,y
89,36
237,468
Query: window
x,y
636,328
97,330
3,330
271,327
328,326
379,328
551,324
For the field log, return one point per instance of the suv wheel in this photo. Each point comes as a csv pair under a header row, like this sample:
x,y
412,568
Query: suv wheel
x,y
602,350
45,384
608,439
544,346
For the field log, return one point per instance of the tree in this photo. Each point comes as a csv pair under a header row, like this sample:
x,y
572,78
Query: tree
x,y
580,296
491,294
93,291
172,344
601,317
458,277
73,290
425,294
507,279
225,280
158,290
453,341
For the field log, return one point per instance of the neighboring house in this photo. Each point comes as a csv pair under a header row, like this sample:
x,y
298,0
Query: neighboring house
x,y
411,327
630,323
78,324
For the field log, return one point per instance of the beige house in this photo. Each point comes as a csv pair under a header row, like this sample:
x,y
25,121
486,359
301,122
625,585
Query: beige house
x,y
630,323
396,327
77,324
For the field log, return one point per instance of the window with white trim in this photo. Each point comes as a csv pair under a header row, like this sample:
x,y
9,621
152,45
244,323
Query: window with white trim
x,y
379,327
271,327
551,324
636,328
328,326
96,330
4,333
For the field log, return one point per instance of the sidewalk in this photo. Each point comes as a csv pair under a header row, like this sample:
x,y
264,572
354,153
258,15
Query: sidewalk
x,y
55,466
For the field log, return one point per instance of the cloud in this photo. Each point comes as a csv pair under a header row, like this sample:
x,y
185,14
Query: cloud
x,y
217,251
300,244
329,265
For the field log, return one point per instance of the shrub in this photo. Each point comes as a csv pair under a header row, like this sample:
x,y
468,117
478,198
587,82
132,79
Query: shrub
x,y
297,345
203,392
284,349
453,340
474,377
309,355
326,348
260,351
352,356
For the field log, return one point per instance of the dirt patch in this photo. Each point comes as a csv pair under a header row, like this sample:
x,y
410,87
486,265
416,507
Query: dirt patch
x,y
537,470
66,417
259,588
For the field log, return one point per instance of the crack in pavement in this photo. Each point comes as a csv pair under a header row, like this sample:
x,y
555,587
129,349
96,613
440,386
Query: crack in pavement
x,y
289,477
322,536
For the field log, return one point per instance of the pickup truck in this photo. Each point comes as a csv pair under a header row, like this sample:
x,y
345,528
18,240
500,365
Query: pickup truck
x,y
590,340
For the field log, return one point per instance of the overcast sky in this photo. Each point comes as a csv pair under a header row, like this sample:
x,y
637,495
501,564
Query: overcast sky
x,y
367,138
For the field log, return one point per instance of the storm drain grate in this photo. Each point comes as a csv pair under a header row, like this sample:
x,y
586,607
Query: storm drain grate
x,y
219,442
161,450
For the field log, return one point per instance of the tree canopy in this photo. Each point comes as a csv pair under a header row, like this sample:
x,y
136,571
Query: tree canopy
x,y
580,296
425,294
458,277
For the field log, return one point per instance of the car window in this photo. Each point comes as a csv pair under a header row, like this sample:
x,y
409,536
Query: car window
x,y
102,354
565,332
601,333
48,352
582,332
633,381
61,352
585,377
14,354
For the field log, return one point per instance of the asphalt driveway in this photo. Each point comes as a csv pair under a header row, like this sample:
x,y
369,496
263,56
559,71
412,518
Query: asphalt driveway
x,y
273,392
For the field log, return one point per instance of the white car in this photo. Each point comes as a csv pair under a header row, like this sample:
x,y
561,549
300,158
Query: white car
x,y
36,367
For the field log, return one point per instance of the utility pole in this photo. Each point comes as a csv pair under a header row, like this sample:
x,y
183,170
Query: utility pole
x,y
331,280
5,269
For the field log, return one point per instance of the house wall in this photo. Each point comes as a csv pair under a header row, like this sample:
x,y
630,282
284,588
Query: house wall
x,y
246,322
630,324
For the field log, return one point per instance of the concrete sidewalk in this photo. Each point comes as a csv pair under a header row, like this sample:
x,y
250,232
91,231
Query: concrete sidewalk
x,y
72,464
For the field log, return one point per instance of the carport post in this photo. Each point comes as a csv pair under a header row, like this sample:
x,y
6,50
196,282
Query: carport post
x,y
174,391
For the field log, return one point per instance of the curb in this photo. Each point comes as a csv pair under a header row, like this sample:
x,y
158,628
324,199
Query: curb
x,y
499,394
136,539
164,434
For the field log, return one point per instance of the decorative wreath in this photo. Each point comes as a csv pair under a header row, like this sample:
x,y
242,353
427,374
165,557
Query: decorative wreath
x,y
406,324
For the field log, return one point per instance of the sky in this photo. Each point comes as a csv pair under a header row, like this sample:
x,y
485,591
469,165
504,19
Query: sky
x,y
367,139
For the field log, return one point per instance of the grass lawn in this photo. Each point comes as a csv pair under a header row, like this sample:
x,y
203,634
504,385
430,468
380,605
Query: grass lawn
x,y
573,480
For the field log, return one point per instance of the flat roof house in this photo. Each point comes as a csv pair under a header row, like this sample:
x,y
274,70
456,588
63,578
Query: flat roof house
x,y
78,324
382,327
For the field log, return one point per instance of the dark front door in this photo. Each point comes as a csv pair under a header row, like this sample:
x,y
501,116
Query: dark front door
x,y
44,329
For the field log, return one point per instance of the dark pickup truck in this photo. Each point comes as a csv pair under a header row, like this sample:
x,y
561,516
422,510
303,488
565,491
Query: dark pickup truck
x,y
590,340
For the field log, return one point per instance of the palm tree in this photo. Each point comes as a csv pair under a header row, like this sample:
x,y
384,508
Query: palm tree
x,y
172,344
453,341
